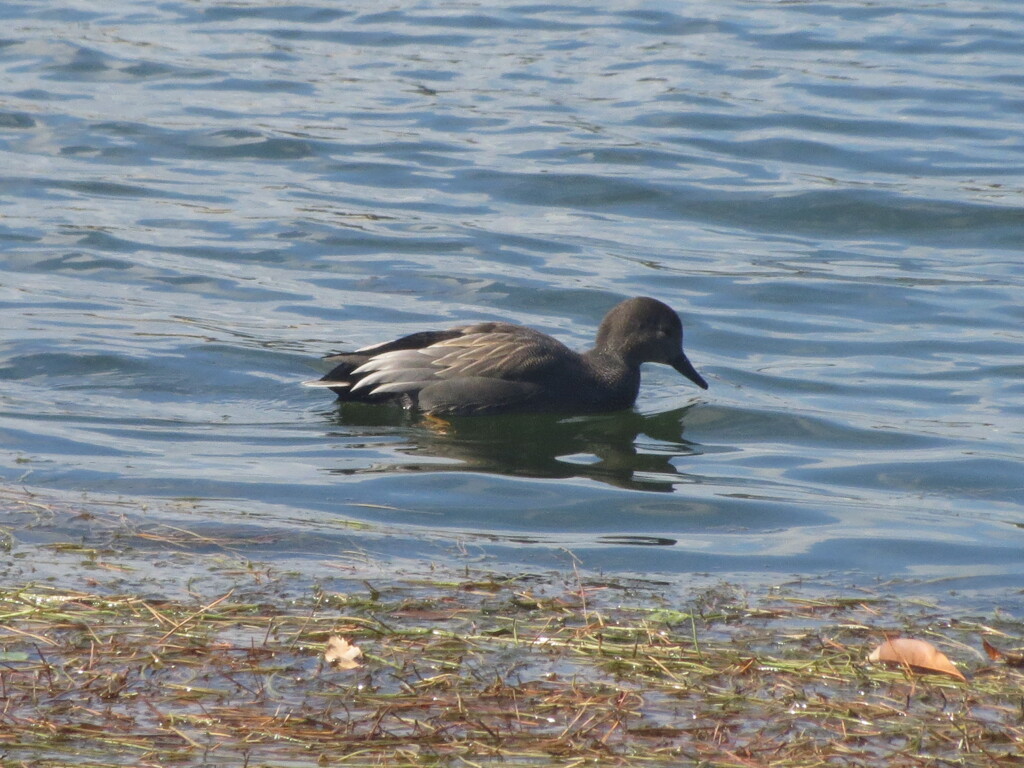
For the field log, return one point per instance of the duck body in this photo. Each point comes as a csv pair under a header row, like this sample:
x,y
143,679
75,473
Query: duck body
x,y
489,368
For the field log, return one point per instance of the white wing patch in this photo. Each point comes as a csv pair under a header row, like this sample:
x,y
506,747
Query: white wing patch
x,y
322,383
406,370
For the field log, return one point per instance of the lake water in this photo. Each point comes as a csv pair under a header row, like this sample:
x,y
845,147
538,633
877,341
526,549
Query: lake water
x,y
201,199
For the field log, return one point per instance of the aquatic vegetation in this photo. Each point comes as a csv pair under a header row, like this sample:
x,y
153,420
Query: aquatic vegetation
x,y
480,668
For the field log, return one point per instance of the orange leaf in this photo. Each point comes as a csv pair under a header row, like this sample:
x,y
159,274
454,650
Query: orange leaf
x,y
341,654
993,653
915,654
1009,658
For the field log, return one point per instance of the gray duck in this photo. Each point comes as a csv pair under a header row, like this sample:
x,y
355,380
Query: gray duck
x,y
490,368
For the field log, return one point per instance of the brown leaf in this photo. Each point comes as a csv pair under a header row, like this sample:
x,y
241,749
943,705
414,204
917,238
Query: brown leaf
x,y
919,655
341,654
993,653
1010,658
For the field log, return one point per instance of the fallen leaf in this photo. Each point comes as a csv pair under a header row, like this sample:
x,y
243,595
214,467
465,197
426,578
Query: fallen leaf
x,y
993,653
919,655
341,654
1010,658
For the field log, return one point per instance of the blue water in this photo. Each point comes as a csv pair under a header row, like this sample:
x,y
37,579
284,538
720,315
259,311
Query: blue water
x,y
199,200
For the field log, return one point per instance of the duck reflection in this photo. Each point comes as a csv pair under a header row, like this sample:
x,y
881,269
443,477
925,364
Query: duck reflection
x,y
625,449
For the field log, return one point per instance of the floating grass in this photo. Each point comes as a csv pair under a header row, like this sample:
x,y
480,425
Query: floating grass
x,y
478,668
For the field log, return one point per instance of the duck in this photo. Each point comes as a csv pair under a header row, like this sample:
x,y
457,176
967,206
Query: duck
x,y
497,368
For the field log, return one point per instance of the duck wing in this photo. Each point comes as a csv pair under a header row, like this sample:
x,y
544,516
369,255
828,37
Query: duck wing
x,y
473,368
499,351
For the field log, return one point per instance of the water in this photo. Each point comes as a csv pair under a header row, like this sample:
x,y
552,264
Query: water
x,y
201,199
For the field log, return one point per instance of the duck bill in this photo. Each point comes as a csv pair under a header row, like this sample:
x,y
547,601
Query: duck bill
x,y
686,368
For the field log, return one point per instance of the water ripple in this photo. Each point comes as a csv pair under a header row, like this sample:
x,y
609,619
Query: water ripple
x,y
200,201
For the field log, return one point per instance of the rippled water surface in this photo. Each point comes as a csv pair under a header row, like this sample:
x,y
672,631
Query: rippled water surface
x,y
200,199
